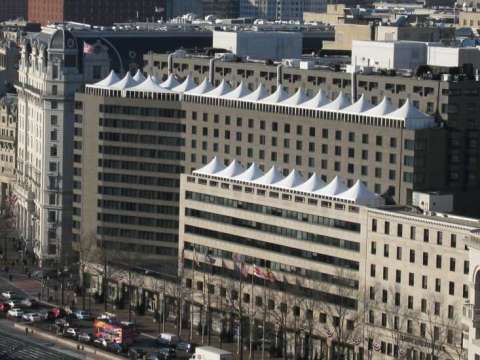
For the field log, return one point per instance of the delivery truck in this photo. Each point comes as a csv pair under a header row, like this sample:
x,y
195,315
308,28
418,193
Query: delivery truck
x,y
211,353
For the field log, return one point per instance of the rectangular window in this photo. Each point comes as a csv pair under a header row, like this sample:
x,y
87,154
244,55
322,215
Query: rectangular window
x,y
412,256
398,276
411,279
426,235
387,228
399,230
412,232
399,253
452,264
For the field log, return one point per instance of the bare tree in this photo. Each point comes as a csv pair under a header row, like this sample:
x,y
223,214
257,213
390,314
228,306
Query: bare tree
x,y
87,254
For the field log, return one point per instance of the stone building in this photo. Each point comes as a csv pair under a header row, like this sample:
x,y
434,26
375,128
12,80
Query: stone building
x,y
8,146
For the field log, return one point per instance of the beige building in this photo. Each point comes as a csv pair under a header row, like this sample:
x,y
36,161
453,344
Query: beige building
x,y
396,278
143,138
334,15
8,145
451,99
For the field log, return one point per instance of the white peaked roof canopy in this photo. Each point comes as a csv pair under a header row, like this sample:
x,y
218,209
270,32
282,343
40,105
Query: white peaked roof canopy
x,y
278,96
338,104
204,87
313,184
252,173
233,169
170,83
292,180
148,85
359,194
211,168
414,118
271,177
259,93
186,85
239,92
385,107
334,187
360,106
296,99
125,83
138,77
319,100
222,89
111,79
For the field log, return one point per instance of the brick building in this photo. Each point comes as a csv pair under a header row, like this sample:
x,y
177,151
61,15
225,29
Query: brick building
x,y
93,11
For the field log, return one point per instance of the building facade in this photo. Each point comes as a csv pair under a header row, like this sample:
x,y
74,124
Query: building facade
x,y
130,199
94,12
49,75
453,100
8,146
394,277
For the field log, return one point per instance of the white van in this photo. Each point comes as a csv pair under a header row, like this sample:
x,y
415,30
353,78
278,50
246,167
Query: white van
x,y
211,353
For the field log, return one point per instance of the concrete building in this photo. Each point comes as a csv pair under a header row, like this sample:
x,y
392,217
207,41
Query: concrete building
x,y
130,199
395,278
452,99
13,9
93,11
8,145
274,45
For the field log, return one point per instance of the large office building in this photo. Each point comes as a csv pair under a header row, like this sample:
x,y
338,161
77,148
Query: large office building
x,y
142,134
94,12
342,272
13,9
451,99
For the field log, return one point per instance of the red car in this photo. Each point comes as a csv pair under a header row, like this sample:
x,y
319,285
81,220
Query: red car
x,y
4,307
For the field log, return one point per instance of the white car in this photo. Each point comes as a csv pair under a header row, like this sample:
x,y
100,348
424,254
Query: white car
x,y
106,316
9,294
71,332
15,312
14,303
32,317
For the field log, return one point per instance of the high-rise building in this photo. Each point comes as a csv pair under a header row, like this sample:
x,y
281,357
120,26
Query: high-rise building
x,y
95,12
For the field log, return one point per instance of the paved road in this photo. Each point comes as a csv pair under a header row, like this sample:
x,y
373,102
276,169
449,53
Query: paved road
x,y
14,345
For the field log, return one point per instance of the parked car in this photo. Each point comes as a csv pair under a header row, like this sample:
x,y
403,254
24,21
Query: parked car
x,y
62,322
85,337
32,317
9,294
82,315
43,313
100,343
115,347
167,353
4,307
167,339
186,346
136,353
15,312
28,303
14,303
71,332
106,316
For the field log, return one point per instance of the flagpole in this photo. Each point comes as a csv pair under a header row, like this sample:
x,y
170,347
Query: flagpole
x,y
252,321
191,294
240,313
264,316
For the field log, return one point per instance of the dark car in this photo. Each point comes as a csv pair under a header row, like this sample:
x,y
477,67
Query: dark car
x,y
186,346
115,348
136,353
167,353
100,343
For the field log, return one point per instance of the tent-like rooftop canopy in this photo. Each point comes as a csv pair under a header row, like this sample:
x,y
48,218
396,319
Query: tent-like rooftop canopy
x,y
294,181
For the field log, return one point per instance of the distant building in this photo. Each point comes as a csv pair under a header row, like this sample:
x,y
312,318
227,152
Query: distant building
x,y
13,9
262,45
221,8
94,12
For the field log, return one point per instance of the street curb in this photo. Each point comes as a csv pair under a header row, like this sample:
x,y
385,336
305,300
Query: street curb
x,y
89,350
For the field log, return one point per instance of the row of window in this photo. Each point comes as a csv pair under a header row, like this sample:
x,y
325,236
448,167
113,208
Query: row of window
x,y
138,207
140,180
272,229
273,211
285,250
140,152
133,235
136,193
427,233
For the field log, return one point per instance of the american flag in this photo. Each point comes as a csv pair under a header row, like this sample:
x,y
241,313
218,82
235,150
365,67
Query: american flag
x,y
87,48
